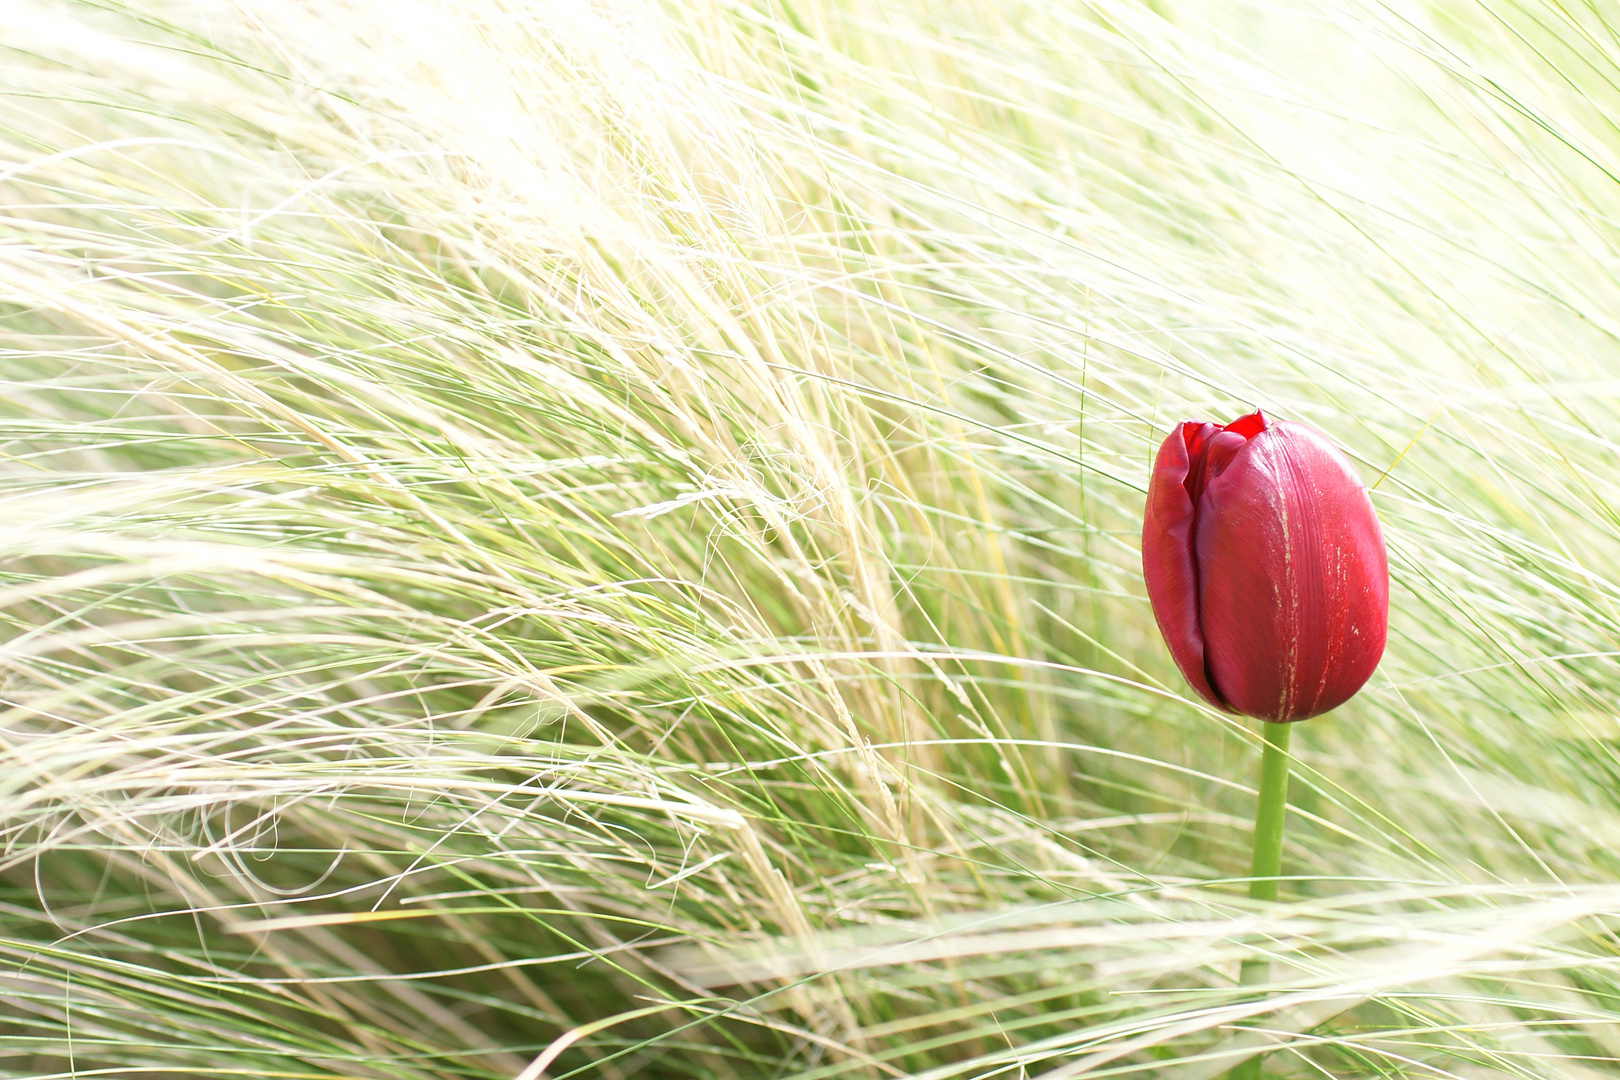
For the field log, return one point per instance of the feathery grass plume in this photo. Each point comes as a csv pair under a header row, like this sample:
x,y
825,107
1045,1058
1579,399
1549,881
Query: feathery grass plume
x,y
600,539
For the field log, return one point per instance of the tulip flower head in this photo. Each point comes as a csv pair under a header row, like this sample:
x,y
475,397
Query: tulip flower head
x,y
1265,566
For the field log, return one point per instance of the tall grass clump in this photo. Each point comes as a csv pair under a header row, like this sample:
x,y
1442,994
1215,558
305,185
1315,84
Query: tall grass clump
x,y
601,539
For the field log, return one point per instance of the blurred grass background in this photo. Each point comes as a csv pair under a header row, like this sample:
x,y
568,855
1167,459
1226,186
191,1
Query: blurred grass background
x,y
601,539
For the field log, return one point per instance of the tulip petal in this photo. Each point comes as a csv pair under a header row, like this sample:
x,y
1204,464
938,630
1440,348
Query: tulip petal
x,y
1293,582
1168,565
1249,426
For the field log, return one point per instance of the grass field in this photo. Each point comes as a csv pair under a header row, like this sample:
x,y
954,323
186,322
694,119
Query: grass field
x,y
601,539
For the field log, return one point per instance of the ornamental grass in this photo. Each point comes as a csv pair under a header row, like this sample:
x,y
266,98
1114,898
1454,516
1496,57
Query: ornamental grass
x,y
584,539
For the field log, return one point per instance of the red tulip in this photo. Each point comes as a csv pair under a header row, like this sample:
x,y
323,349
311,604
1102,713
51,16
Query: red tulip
x,y
1265,566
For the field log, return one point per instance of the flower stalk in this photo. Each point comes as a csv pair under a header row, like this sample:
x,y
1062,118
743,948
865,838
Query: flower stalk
x,y
1265,865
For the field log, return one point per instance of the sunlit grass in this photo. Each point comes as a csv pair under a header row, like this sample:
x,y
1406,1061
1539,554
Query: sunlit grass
x,y
618,524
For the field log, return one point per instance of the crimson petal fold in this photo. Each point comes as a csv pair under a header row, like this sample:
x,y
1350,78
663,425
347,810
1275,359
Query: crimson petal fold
x,y
1168,566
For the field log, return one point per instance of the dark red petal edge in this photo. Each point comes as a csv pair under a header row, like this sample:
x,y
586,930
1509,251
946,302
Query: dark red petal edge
x,y
1169,566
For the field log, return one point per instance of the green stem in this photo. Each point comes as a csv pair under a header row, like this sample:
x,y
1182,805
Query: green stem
x,y
1267,862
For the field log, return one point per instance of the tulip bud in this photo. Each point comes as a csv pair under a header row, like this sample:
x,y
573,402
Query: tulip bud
x,y
1265,566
